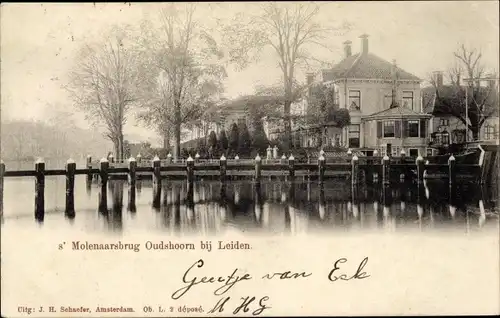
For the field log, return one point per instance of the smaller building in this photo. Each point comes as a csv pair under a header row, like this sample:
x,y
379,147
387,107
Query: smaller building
x,y
446,128
396,129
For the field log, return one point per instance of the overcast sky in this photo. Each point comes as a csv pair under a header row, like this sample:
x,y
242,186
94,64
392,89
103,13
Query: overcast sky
x,y
38,40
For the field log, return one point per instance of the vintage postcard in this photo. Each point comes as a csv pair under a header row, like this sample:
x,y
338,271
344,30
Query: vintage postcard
x,y
249,159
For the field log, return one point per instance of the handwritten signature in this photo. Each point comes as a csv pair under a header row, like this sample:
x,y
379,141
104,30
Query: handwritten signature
x,y
190,280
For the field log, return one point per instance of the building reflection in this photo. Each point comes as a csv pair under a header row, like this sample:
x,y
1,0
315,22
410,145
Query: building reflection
x,y
294,208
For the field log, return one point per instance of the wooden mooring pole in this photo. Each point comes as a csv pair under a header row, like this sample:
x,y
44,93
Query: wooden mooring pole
x,y
70,188
89,174
156,183
420,169
223,168
132,166
103,194
39,189
321,168
2,172
386,170
354,170
452,174
291,167
258,168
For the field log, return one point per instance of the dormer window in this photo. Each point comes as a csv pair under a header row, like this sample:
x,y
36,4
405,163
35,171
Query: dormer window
x,y
354,99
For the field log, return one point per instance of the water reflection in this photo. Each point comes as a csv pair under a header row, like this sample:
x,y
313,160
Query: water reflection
x,y
281,208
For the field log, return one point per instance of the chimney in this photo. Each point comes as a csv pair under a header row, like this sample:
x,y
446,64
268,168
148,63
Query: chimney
x,y
347,49
394,70
364,43
310,80
438,78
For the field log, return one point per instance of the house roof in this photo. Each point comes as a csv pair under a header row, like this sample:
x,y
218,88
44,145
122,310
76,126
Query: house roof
x,y
433,105
396,112
367,66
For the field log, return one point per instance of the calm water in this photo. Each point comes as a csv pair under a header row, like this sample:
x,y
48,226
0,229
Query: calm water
x,y
276,208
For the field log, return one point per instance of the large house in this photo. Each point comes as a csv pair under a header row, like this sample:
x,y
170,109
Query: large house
x,y
383,101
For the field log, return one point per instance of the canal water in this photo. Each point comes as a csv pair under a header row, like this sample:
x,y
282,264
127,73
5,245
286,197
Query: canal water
x,y
273,208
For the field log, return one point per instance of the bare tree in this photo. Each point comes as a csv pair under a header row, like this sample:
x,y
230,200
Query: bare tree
x,y
185,68
103,82
471,99
292,32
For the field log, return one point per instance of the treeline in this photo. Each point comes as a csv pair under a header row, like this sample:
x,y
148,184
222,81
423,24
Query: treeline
x,y
239,140
26,140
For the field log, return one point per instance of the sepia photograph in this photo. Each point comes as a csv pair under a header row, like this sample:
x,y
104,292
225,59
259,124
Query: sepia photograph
x,y
189,159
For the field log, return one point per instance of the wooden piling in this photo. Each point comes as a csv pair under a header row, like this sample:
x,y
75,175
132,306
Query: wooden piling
x,y
89,173
258,168
402,155
70,188
420,169
39,189
452,170
223,168
386,167
156,182
132,166
190,169
137,175
103,194
291,167
2,173
355,170
321,168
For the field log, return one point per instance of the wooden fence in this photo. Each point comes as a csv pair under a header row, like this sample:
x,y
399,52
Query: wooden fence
x,y
358,169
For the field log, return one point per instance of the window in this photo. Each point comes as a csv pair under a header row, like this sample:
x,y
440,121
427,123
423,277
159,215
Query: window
x,y
413,152
241,121
354,136
408,99
489,132
444,122
413,128
336,96
355,100
388,129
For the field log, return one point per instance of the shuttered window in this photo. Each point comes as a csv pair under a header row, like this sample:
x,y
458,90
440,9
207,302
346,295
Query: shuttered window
x,y
423,128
